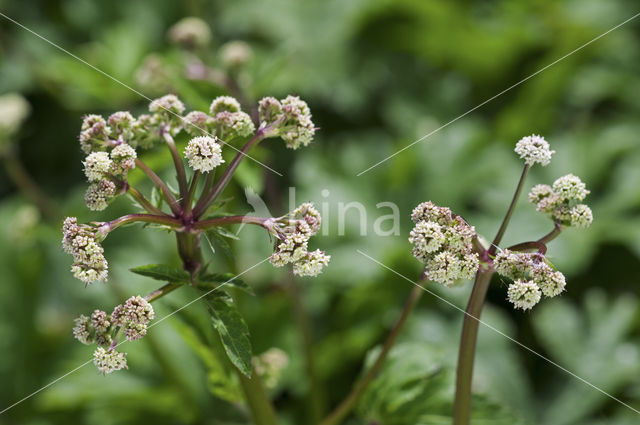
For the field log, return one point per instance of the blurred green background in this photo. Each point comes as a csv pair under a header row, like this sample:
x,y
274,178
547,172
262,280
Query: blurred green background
x,y
377,75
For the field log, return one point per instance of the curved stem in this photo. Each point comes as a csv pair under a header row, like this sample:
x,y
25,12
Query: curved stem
x,y
507,217
166,193
143,218
557,229
162,291
349,402
466,356
231,219
206,199
177,161
540,244
135,194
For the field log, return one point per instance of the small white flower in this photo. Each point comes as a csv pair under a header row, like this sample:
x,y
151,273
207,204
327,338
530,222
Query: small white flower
x,y
311,264
523,294
96,165
570,187
426,237
203,153
81,330
124,157
269,110
581,216
534,149
235,53
196,123
190,32
538,192
551,282
108,361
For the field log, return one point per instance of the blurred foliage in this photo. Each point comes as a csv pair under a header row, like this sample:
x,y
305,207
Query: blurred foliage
x,y
378,75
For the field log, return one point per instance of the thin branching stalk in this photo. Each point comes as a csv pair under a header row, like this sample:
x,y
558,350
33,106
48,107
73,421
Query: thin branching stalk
x,y
177,161
143,218
139,197
231,219
347,405
507,217
166,193
206,200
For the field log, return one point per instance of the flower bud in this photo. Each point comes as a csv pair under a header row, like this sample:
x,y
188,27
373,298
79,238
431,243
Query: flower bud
x,y
190,32
224,103
235,53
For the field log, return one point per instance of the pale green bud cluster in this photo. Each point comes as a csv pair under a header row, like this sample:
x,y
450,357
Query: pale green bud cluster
x,y
289,119
532,276
230,119
109,360
83,242
14,109
204,153
534,149
560,201
293,233
190,32
270,364
96,329
443,241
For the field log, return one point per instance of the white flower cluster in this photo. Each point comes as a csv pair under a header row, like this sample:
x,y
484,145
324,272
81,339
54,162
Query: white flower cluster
x,y
293,232
534,149
14,109
204,153
560,201
109,360
443,242
270,364
532,276
291,119
83,242
235,53
133,316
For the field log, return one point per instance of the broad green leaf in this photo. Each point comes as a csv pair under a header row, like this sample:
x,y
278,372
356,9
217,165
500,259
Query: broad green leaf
x,y
212,280
163,272
233,331
215,238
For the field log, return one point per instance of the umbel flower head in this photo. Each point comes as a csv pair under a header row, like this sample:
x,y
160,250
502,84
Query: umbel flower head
x,y
561,201
534,149
443,241
289,118
293,232
83,242
532,276
190,32
133,317
204,153
109,360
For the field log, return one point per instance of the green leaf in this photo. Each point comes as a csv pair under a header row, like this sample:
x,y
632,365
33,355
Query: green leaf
x,y
221,384
163,272
226,233
215,238
233,331
211,280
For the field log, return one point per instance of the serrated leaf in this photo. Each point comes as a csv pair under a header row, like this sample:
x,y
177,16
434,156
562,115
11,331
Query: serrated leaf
x,y
163,272
214,237
223,280
233,331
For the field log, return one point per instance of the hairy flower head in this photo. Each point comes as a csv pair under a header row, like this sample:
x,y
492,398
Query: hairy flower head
x,y
96,165
570,188
203,153
523,294
534,149
224,104
83,242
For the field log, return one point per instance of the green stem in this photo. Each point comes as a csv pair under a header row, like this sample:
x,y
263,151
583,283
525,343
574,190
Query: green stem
x,y
231,219
162,291
192,190
316,396
207,198
108,226
135,194
177,161
466,356
166,193
507,217
190,253
262,410
338,415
